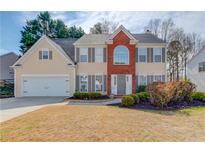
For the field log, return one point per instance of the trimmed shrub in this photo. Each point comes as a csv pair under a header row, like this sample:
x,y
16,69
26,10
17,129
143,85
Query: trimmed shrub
x,y
143,96
87,95
136,98
141,89
163,93
198,96
94,95
6,89
127,101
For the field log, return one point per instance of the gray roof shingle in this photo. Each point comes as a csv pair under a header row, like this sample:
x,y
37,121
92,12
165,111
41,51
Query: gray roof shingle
x,y
67,45
101,38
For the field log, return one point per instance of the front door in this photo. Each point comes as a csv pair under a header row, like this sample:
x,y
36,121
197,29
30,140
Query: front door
x,y
121,84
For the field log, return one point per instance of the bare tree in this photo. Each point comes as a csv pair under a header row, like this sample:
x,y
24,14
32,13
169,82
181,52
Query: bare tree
x,y
154,26
166,28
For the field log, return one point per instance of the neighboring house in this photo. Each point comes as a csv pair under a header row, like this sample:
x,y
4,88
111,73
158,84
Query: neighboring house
x,y
196,70
7,60
108,63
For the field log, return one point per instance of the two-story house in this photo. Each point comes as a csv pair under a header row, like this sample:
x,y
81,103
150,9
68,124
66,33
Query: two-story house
x,y
108,63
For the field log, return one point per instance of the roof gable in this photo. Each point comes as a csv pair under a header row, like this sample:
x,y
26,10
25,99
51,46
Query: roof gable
x,y
123,29
52,43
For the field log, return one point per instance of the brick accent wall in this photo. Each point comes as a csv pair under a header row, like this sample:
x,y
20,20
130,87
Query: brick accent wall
x,y
121,39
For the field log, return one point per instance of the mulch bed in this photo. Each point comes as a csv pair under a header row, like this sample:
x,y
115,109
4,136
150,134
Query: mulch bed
x,y
173,106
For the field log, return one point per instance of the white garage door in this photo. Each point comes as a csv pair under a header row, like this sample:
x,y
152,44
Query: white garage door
x,y
45,86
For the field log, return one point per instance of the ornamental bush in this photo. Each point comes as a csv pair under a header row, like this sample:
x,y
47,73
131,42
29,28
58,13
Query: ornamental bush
x,y
143,96
87,95
136,98
127,101
198,96
161,94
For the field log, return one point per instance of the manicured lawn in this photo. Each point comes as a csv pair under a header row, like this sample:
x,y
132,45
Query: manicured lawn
x,y
103,123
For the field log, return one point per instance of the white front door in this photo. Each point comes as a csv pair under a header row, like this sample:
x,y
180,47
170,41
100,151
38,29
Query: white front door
x,y
45,86
128,84
114,84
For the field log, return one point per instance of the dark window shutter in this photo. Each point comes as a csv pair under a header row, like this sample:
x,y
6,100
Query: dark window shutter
x,y
163,55
136,53
93,83
163,78
40,54
89,83
93,55
77,54
151,55
77,82
50,55
105,82
148,55
89,54
104,55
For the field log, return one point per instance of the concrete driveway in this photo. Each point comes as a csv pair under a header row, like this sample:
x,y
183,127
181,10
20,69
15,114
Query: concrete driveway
x,y
13,107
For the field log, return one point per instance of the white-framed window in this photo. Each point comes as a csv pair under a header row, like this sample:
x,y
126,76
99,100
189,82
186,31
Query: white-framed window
x,y
121,55
99,55
83,83
157,52
142,80
98,83
157,78
83,54
202,67
45,53
142,55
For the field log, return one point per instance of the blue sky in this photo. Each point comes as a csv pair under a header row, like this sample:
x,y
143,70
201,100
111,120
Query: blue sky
x,y
11,23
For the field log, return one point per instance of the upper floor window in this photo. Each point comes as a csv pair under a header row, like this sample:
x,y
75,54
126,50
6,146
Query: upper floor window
x,y
121,55
157,52
83,54
142,55
99,55
202,67
45,53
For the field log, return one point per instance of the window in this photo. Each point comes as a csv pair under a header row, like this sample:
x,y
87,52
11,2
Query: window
x,y
202,67
157,78
142,55
84,83
98,83
83,54
121,55
99,55
157,54
142,80
45,54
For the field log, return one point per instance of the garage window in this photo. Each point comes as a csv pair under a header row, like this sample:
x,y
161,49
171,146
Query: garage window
x,y
84,83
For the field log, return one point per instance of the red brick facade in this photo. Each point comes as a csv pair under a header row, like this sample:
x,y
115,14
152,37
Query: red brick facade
x,y
121,39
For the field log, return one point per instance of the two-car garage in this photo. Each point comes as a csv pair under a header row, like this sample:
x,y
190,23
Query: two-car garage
x,y
45,86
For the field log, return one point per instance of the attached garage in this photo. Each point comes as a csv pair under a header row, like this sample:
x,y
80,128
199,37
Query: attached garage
x,y
45,86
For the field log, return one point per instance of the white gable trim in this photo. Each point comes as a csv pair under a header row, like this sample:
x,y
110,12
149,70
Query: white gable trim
x,y
123,29
30,51
201,51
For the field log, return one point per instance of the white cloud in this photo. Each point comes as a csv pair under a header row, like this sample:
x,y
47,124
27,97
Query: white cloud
x,y
134,21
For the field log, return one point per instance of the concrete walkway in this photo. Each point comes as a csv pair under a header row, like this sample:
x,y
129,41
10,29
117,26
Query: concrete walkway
x,y
110,102
14,107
